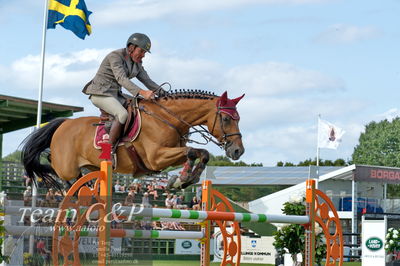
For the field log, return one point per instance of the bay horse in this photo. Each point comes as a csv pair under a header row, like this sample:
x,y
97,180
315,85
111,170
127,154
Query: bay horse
x,y
162,142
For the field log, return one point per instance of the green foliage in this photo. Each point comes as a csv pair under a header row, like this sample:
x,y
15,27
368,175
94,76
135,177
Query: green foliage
x,y
219,160
291,238
2,235
308,162
222,160
379,144
13,157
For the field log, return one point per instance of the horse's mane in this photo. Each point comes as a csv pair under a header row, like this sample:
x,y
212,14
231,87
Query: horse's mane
x,y
187,94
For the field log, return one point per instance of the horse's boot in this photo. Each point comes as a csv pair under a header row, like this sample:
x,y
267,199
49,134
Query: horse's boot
x,y
115,134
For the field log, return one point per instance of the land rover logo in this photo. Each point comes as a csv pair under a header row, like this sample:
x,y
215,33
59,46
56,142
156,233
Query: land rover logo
x,y
186,244
374,243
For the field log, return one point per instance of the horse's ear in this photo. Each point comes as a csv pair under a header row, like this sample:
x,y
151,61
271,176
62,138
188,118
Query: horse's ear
x,y
236,100
223,99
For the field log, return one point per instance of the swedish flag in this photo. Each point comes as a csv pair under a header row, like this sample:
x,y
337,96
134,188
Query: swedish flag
x,y
71,14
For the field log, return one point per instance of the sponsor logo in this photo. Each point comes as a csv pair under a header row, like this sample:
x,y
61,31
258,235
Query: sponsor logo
x,y
186,244
374,243
253,243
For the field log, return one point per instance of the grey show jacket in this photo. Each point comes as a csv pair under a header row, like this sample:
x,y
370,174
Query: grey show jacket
x,y
115,72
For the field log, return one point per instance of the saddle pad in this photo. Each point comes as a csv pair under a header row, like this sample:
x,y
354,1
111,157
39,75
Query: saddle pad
x,y
101,135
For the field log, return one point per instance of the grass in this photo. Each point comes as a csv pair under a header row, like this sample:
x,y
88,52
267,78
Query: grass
x,y
196,263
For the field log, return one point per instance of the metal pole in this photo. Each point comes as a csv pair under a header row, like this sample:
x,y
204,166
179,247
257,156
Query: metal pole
x,y
39,110
317,163
354,214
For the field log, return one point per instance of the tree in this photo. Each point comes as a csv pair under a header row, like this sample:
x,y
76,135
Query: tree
x,y
380,145
308,162
13,157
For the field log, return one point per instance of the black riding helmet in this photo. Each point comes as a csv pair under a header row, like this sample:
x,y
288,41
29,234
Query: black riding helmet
x,y
141,40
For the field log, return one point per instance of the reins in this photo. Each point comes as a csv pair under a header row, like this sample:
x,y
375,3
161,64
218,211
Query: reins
x,y
206,134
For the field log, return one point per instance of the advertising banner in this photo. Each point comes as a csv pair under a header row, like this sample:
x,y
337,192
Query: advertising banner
x,y
373,242
259,250
377,174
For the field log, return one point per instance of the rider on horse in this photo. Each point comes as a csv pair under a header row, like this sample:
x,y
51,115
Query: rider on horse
x,y
116,70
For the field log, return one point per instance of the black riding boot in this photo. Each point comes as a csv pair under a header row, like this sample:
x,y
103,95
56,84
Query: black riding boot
x,y
115,134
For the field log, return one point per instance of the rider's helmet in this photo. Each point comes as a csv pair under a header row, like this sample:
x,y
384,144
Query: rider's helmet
x,y
141,40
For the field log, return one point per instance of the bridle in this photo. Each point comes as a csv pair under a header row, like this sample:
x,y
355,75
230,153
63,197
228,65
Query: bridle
x,y
206,134
225,136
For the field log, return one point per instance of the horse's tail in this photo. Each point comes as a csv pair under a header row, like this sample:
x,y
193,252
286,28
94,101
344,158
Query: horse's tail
x,y
33,147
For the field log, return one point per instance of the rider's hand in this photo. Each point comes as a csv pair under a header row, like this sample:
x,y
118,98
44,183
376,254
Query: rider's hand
x,y
147,94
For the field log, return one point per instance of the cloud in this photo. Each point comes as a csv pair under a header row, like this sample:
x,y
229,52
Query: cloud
x,y
389,115
193,73
62,71
275,78
343,34
124,11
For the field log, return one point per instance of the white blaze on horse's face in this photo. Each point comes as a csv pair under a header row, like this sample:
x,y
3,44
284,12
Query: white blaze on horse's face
x,y
226,126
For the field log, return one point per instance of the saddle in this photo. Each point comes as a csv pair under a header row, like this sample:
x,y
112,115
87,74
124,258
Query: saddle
x,y
130,133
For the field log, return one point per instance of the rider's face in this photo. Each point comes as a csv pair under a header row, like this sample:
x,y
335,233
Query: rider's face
x,y
138,54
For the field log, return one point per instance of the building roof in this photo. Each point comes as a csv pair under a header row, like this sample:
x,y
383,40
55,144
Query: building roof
x,y
17,113
255,176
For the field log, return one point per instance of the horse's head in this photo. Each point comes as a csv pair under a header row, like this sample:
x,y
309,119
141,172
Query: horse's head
x,y
224,125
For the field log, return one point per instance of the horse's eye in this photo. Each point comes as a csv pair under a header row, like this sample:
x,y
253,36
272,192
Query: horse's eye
x,y
226,119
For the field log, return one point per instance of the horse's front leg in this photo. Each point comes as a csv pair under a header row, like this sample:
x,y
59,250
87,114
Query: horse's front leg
x,y
188,175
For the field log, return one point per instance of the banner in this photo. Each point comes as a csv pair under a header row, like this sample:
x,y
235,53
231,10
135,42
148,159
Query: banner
x,y
373,242
258,250
377,174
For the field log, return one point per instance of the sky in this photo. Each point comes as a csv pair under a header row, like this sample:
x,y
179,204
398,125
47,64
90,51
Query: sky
x,y
294,59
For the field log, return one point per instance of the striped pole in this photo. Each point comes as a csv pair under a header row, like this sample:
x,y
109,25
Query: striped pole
x,y
115,233
217,216
156,214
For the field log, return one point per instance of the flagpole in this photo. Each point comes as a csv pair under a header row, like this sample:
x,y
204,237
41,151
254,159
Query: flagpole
x,y
317,163
39,107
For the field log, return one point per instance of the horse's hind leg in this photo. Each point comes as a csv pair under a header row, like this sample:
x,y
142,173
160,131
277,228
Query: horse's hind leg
x,y
188,176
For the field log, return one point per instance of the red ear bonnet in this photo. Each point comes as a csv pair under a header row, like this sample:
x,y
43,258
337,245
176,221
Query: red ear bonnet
x,y
228,106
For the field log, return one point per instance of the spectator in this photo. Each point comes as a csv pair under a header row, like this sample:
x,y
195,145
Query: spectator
x,y
146,200
118,188
27,181
58,196
43,252
129,199
51,198
175,201
155,226
179,202
152,191
176,226
168,202
194,204
27,195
